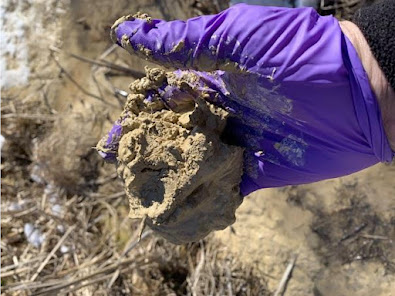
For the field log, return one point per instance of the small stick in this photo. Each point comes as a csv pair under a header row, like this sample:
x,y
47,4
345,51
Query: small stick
x,y
80,267
74,288
111,196
141,228
101,63
14,272
20,264
57,246
228,282
73,80
354,232
97,84
29,116
88,283
107,269
127,250
198,269
135,243
101,181
46,101
286,276
77,84
20,213
121,92
371,236
108,51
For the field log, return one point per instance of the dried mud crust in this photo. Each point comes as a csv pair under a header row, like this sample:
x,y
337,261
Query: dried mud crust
x,y
177,172
205,61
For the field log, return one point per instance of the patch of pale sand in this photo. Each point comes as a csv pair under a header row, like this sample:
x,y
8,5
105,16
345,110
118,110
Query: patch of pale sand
x,y
25,25
268,233
270,230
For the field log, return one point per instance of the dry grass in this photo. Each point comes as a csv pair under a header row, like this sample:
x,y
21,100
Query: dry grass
x,y
351,229
89,246
80,241
355,232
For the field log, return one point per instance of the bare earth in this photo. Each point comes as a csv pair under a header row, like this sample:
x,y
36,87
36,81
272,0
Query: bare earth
x,y
341,231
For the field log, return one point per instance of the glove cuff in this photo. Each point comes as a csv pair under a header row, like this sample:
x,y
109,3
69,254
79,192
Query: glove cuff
x,y
377,23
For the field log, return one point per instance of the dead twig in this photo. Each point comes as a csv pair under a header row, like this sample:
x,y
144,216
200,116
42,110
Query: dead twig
x,y
286,276
111,196
57,246
20,213
370,236
129,247
141,228
83,90
129,261
100,63
29,116
198,269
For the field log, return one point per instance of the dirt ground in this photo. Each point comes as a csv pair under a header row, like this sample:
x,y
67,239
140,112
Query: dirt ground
x,y
341,231
63,92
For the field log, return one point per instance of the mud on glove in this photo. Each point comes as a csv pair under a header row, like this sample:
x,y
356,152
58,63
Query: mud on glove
x,y
300,99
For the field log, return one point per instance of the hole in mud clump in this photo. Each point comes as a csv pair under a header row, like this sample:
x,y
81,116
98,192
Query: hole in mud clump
x,y
355,233
153,190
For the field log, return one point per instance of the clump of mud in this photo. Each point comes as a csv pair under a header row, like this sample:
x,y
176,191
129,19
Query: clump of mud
x,y
178,173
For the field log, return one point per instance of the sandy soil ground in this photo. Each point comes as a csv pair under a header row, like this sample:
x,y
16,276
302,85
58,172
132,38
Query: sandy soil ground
x,y
341,231
56,107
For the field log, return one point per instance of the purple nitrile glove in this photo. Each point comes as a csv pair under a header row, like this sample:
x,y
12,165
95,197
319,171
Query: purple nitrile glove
x,y
109,144
301,101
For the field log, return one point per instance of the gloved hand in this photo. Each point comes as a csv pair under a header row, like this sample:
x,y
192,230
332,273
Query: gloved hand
x,y
300,99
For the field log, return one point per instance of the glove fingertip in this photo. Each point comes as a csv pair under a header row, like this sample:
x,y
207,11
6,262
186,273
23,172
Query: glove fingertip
x,y
114,27
127,22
